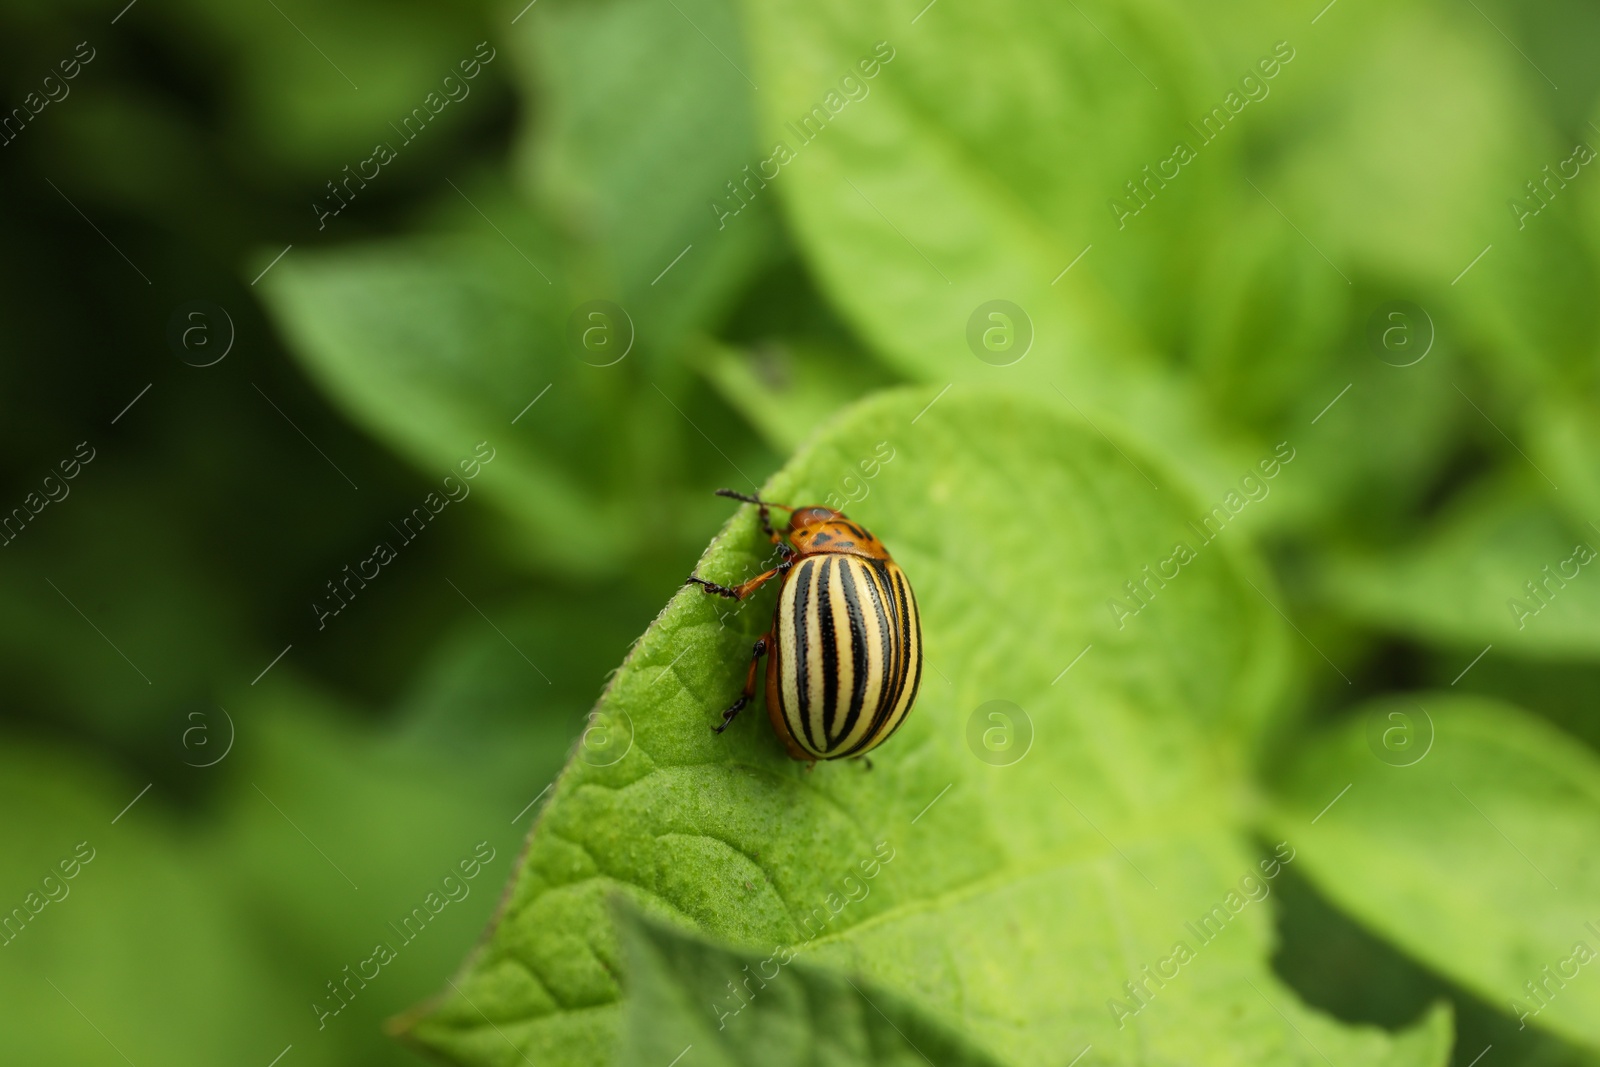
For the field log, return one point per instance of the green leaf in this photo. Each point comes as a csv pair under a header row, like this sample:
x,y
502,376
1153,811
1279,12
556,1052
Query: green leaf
x,y
438,346
111,917
1345,969
1373,436
927,191
1404,140
150,593
329,832
434,350
299,106
1263,288
1504,566
1375,101
508,698
1477,855
978,162
617,84
1531,295
801,1014
787,389
1016,902
1563,431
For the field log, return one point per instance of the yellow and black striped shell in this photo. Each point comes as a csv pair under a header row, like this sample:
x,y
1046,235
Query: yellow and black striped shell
x,y
847,660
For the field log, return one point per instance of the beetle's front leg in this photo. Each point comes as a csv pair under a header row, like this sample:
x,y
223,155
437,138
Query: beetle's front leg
x,y
737,592
712,587
764,514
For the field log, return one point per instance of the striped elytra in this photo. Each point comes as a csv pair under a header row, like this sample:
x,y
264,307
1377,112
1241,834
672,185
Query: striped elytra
x,y
845,648
848,658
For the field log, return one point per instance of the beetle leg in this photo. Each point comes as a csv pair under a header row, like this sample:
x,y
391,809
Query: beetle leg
x,y
765,517
762,507
737,592
756,653
712,587
864,759
734,494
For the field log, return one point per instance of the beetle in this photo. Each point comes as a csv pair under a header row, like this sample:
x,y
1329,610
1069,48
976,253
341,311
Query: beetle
x,y
845,646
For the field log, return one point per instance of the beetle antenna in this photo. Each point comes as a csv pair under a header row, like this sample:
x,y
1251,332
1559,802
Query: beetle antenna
x,y
736,495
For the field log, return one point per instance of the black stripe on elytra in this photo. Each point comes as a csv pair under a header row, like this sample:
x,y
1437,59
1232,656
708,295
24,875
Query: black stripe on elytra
x,y
902,648
828,632
916,682
895,654
880,652
902,641
835,703
861,654
804,578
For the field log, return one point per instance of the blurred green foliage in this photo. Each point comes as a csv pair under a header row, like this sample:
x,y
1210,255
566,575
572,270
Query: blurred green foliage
x,y
174,603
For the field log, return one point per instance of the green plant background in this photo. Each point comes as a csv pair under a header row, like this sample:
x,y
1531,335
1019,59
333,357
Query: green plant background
x,y
528,681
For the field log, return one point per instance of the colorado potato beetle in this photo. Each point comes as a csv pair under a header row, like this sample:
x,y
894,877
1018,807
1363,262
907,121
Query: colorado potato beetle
x,y
845,646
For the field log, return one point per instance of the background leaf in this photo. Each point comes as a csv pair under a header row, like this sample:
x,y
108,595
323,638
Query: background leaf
x,y
1470,581
787,390
109,947
440,348
620,82
1478,858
